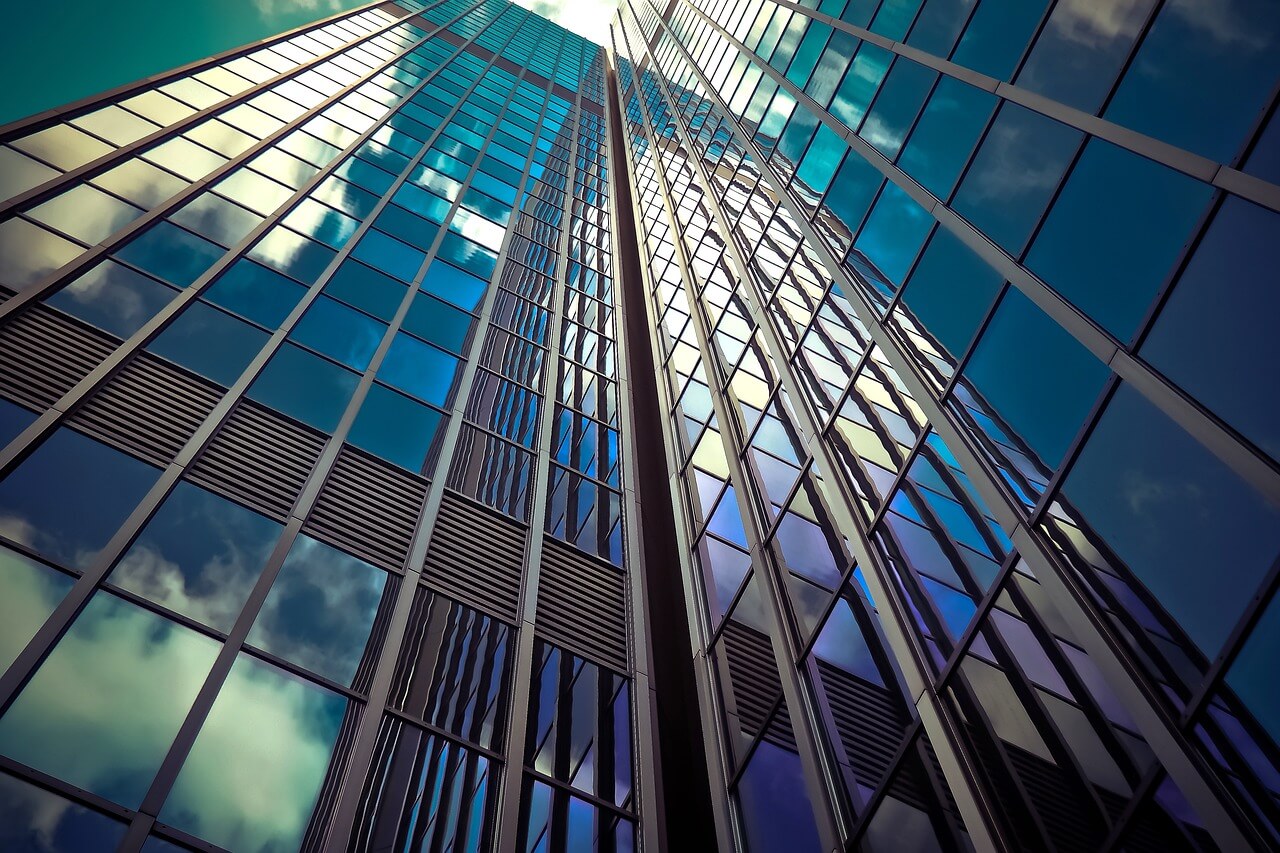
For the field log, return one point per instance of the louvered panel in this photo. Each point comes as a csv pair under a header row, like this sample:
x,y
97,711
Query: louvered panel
x,y
259,458
1071,820
369,508
582,605
44,354
477,557
753,674
870,726
149,408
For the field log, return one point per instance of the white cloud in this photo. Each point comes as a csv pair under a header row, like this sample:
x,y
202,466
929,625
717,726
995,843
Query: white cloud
x,y
588,18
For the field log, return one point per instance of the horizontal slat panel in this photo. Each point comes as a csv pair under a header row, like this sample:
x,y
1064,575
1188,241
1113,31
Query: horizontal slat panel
x,y
259,458
476,557
44,354
368,507
582,605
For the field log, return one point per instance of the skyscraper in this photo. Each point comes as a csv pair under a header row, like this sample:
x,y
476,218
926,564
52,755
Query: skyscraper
x,y
790,427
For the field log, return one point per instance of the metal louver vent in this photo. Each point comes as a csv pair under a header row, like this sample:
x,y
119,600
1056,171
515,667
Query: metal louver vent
x,y
582,605
477,557
752,672
149,408
871,727
43,355
259,458
369,508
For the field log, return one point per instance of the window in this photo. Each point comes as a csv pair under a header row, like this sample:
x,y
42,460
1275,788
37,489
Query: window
x,y
395,427
437,322
343,334
950,291
113,297
419,369
366,289
31,592
454,285
210,342
255,293
85,213
305,387
944,138
177,256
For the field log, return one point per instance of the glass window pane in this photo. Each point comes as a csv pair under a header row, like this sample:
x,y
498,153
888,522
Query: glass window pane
x,y
13,420
255,293
333,329
19,173
1253,675
113,297
395,427
997,35
775,809
35,820
31,591
255,770
199,555
171,253
320,610
103,708
210,342
944,137
1227,298
454,285
1172,511
389,255
366,289
292,254
68,498
950,291
437,322
216,218
141,183
894,233
419,369
28,253
87,214
1131,214
897,105
305,386
321,222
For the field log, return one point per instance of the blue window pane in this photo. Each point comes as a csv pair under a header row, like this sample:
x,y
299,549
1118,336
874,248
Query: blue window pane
x,y
333,329
366,175
437,322
894,233
1172,511
34,820
860,84
1130,211
13,420
1253,675
69,497
997,35
894,17
292,254
1083,45
113,297
821,160
366,289
389,255
406,226
255,293
104,707
423,203
468,255
1014,174
210,342
897,105
171,253
322,223
854,188
395,427
1264,160
939,24
306,387
945,136
776,813
1037,377
1227,297
199,555
950,291
1202,74
320,610
419,369
31,592
454,285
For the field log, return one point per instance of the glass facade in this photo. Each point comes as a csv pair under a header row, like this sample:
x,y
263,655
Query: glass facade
x,y
806,426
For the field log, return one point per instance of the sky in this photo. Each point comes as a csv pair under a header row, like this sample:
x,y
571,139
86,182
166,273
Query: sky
x,y
64,50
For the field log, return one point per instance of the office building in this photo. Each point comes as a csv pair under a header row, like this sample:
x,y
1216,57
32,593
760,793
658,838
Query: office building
x,y
827,426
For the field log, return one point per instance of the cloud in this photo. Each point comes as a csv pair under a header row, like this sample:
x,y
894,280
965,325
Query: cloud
x,y
271,8
588,18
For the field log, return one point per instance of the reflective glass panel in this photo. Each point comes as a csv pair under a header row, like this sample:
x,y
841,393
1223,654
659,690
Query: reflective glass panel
x,y
171,253
331,328
305,386
210,342
31,591
34,820
113,297
255,293
395,427
420,369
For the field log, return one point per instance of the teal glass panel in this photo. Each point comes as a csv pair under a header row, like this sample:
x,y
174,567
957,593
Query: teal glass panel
x,y
946,134
1169,509
831,67
950,291
171,253
1202,74
321,222
471,256
320,610
209,342
852,191
897,106
939,24
199,556
419,369
366,289
437,322
1227,297
255,770
1014,174
31,591
103,708
820,162
997,36
894,233
1038,379
343,334
113,297
305,386
425,204
255,293
406,226
35,820
894,18
455,285
292,254
389,255
395,427
1114,232
860,84
67,499
1253,675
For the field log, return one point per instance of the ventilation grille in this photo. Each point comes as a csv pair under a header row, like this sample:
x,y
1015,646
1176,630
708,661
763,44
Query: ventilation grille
x,y
753,674
260,459
369,508
149,408
476,557
582,605
43,355
870,726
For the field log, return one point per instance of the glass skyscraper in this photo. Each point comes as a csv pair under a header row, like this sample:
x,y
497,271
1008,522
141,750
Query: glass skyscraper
x,y
790,427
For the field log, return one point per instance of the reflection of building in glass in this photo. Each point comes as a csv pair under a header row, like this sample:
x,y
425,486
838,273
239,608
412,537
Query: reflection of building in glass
x,y
917,486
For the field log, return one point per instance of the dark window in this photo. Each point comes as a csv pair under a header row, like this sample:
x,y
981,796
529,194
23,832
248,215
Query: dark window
x,y
255,293
305,386
175,255
395,427
342,333
210,342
